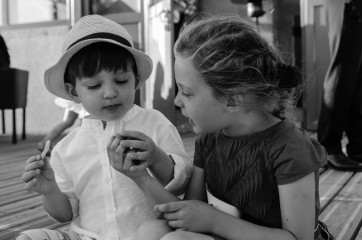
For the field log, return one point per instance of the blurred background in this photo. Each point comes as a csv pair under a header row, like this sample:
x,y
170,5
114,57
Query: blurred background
x,y
34,31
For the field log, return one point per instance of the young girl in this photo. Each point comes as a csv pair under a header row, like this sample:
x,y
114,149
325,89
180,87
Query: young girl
x,y
250,161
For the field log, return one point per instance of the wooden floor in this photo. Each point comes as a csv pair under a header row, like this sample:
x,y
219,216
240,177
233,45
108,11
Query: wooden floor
x,y
340,193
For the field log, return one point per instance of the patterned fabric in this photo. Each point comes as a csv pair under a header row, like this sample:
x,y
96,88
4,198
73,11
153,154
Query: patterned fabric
x,y
47,234
246,171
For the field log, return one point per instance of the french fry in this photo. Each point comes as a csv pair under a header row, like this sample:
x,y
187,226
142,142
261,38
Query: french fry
x,y
46,149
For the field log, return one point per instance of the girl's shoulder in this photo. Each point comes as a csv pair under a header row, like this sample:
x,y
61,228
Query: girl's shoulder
x,y
291,136
293,153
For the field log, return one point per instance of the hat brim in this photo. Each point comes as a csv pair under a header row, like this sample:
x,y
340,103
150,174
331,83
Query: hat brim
x,y
54,76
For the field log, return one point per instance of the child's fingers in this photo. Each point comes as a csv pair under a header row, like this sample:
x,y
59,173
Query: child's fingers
x,y
126,162
110,142
34,165
169,207
118,158
33,159
135,144
142,156
138,165
112,146
139,160
46,164
28,176
30,186
135,135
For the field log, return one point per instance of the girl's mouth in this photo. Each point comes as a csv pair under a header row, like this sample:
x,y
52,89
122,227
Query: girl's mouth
x,y
191,122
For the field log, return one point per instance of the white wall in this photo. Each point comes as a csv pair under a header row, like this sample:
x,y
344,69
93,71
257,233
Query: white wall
x,y
34,50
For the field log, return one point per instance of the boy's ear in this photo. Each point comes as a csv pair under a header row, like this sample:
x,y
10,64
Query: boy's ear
x,y
72,92
137,82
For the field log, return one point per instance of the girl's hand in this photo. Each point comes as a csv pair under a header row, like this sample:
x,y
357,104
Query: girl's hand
x,y
125,160
146,148
192,215
39,176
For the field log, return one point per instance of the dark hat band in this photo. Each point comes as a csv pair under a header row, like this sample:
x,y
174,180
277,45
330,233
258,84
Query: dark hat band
x,y
105,35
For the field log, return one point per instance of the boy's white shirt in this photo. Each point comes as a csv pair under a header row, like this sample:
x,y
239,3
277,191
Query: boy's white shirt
x,y
107,204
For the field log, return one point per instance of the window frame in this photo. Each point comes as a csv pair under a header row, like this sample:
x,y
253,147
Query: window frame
x,y
73,14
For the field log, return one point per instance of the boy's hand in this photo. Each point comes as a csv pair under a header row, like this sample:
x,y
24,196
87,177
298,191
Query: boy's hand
x,y
124,158
39,175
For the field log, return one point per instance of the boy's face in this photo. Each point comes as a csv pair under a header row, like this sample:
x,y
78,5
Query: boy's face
x,y
107,95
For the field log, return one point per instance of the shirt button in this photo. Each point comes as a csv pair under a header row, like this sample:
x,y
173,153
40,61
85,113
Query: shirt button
x,y
112,211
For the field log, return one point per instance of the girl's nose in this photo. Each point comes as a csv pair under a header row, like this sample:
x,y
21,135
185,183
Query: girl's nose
x,y
178,101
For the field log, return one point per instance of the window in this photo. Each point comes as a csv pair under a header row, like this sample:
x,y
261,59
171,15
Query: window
x,y
14,12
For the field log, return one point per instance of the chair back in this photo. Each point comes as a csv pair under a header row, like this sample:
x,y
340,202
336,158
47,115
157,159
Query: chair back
x,y
13,88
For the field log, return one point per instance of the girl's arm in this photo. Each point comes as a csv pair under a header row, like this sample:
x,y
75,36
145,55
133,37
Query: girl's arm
x,y
297,202
297,206
155,192
196,189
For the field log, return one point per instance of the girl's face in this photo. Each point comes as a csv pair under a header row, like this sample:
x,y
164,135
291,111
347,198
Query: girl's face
x,y
107,95
196,99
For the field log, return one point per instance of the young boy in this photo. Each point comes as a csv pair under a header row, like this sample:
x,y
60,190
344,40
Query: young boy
x,y
87,179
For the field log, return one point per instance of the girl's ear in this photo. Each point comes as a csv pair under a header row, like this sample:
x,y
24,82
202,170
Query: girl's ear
x,y
234,104
72,92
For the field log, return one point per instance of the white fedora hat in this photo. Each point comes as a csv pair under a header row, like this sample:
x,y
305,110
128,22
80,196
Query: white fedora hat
x,y
88,30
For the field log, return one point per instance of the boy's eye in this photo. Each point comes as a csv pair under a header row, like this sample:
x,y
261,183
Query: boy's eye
x,y
94,86
122,81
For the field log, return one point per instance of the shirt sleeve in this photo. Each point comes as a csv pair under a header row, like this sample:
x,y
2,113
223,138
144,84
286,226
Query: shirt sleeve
x,y
297,158
64,180
170,141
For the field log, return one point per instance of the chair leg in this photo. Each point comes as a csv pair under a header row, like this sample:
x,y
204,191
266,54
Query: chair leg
x,y
3,120
24,134
14,126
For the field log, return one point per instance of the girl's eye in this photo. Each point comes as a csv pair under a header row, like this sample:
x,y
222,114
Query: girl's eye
x,y
185,94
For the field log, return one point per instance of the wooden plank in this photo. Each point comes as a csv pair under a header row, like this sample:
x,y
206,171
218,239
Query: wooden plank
x,y
344,213
12,189
34,224
20,206
22,217
342,218
18,196
359,235
330,184
10,182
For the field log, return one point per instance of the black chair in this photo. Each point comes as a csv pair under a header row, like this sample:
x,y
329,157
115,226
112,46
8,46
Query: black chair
x,y
13,95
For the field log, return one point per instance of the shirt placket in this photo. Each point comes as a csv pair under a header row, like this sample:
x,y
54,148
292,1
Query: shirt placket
x,y
108,195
